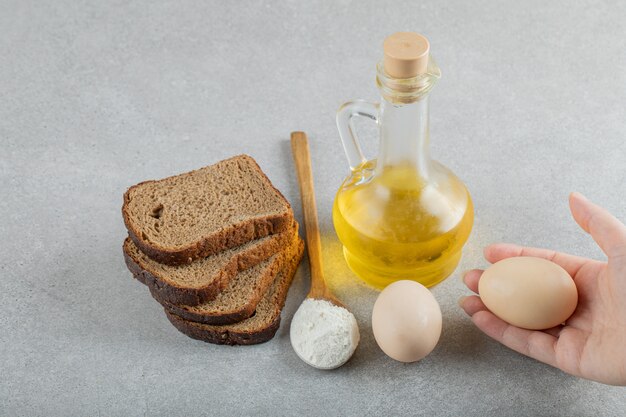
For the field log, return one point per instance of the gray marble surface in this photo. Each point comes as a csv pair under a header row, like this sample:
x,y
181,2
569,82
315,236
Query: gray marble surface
x,y
96,96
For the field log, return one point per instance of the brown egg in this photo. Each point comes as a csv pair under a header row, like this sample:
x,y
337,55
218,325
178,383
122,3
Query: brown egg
x,y
527,292
406,321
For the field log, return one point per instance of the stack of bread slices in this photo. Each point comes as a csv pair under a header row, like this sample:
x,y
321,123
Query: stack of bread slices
x,y
217,247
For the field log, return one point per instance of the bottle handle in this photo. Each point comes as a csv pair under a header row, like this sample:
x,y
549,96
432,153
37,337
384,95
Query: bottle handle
x,y
345,124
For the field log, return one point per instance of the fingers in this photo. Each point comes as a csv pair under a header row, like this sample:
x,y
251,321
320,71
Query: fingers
x,y
499,251
554,331
471,278
538,345
608,232
472,304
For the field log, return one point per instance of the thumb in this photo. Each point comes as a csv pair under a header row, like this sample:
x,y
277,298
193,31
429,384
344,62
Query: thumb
x,y
608,232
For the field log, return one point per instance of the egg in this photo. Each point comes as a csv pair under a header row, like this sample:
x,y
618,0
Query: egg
x,y
532,293
406,321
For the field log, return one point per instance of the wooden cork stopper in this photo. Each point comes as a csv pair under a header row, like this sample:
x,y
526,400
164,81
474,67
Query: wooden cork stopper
x,y
406,54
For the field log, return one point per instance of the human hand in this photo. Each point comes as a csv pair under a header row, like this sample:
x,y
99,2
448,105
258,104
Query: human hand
x,y
592,343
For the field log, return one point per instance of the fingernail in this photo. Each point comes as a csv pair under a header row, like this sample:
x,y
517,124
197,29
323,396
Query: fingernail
x,y
460,302
463,275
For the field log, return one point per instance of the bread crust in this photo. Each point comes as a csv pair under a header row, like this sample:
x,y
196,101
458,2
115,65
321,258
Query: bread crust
x,y
225,318
227,334
171,292
218,241
265,281
230,317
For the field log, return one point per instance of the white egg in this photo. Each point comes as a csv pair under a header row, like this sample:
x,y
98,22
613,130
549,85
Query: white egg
x,y
406,321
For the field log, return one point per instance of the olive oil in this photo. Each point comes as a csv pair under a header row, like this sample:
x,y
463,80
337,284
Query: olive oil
x,y
398,226
402,215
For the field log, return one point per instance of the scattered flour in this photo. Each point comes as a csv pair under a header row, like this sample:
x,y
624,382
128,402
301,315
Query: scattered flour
x,y
324,335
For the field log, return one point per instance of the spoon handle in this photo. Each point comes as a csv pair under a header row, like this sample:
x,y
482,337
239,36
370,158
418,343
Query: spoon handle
x,y
302,158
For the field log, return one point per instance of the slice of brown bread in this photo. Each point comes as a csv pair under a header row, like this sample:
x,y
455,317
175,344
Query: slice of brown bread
x,y
201,281
200,213
259,328
239,299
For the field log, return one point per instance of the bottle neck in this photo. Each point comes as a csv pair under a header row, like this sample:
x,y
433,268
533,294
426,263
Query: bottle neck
x,y
404,138
403,120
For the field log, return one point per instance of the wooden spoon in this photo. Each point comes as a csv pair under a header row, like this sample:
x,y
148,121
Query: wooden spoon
x,y
302,158
323,333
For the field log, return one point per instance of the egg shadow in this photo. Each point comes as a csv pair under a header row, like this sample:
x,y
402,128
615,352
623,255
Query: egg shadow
x,y
460,341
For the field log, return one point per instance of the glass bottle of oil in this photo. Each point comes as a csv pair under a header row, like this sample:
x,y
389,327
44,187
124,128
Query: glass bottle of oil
x,y
402,215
